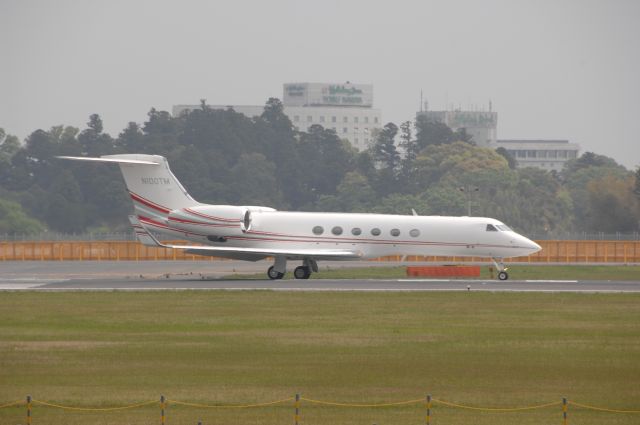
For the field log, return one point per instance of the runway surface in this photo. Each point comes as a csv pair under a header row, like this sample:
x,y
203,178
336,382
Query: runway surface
x,y
156,276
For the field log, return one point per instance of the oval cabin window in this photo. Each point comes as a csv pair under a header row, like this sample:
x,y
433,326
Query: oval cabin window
x,y
356,231
318,230
395,232
337,230
375,231
414,233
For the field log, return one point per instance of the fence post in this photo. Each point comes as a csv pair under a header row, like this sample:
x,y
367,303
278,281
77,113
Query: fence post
x,y
162,406
297,416
28,410
564,411
428,409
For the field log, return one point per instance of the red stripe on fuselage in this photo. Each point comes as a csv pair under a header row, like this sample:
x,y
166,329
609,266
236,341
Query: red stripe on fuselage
x,y
199,214
148,203
199,223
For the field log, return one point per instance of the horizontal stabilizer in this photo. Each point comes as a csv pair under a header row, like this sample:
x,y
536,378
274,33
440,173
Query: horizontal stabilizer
x,y
112,160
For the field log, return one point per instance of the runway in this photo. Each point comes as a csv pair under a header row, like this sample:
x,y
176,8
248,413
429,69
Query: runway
x,y
177,276
314,285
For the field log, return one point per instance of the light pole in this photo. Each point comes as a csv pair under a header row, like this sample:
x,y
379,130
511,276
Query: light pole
x,y
469,190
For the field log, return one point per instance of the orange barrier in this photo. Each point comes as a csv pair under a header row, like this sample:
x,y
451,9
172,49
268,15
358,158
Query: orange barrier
x,y
444,271
552,252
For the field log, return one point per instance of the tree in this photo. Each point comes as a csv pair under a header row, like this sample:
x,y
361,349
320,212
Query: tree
x,y
576,176
254,182
14,220
410,151
327,158
354,194
387,160
612,206
93,141
431,132
513,164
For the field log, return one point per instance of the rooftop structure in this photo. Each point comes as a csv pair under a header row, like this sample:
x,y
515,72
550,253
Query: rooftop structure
x,y
345,108
544,154
481,125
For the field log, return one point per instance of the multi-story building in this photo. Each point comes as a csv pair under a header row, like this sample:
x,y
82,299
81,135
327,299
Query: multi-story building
x,y
345,108
545,154
481,125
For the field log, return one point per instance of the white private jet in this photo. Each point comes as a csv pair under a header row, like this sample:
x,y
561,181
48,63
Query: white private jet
x,y
163,206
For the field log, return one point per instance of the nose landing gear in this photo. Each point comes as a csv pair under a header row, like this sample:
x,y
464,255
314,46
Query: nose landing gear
x,y
502,270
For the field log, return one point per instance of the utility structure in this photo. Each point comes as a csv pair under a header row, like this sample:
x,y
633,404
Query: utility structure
x,y
469,191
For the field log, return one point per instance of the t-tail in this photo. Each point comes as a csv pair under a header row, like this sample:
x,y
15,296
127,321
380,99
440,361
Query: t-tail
x,y
154,189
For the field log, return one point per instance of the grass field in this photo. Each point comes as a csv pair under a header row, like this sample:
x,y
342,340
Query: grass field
x,y
516,272
483,349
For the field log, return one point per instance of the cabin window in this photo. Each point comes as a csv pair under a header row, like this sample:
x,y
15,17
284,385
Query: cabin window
x,y
337,230
491,228
375,231
318,230
414,233
395,232
356,231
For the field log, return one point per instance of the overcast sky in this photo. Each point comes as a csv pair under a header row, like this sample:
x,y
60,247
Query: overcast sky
x,y
552,69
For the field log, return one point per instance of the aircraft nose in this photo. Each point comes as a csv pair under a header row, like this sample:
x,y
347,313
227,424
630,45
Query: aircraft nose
x,y
534,247
527,245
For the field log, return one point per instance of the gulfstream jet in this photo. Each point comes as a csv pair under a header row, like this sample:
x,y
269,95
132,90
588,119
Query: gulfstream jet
x,y
162,206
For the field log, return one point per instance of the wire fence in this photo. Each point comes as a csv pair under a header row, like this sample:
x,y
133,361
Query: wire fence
x,y
428,403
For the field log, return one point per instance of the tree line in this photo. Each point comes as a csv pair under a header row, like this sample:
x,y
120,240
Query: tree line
x,y
223,157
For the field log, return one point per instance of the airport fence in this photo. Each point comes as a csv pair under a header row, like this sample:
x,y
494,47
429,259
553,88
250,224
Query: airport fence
x,y
553,251
430,407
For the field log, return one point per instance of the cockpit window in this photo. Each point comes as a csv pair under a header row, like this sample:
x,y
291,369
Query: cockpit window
x,y
503,227
491,228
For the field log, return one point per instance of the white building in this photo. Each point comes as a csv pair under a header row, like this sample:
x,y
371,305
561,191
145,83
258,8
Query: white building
x,y
345,108
546,154
481,125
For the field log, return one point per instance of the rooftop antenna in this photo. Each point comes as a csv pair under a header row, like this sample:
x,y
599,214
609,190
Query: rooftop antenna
x,y
421,100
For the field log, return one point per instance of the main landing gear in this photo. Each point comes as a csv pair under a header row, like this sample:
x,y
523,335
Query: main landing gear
x,y
304,271
274,274
502,270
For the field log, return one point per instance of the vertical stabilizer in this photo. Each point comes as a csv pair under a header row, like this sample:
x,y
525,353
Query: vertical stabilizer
x,y
154,189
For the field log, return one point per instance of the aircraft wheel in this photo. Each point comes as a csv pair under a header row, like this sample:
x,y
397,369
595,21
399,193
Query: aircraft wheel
x,y
302,272
503,275
273,274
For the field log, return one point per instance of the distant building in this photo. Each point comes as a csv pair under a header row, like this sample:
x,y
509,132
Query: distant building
x,y
481,125
345,108
546,154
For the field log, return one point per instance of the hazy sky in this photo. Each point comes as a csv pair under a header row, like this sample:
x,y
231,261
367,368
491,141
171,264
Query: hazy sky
x,y
552,69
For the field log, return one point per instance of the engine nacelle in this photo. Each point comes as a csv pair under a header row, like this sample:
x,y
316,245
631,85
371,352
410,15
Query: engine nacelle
x,y
213,221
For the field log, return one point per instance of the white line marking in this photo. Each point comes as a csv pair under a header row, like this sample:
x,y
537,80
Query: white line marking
x,y
552,281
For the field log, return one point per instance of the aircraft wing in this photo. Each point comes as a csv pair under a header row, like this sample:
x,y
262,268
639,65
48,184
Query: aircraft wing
x,y
250,254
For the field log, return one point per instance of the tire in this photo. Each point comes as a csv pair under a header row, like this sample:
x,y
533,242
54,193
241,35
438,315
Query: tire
x,y
273,274
302,272
503,275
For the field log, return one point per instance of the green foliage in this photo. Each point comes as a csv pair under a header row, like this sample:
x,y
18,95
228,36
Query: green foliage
x,y
223,157
14,220
612,204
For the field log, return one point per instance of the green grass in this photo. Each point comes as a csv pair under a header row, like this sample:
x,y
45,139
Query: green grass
x,y
482,349
516,272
